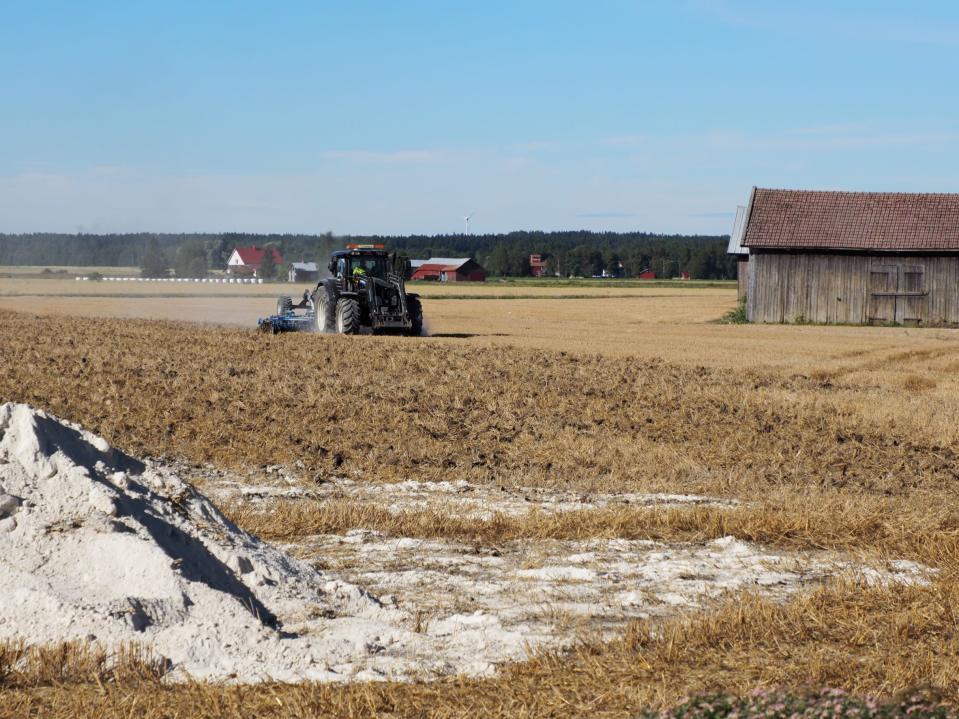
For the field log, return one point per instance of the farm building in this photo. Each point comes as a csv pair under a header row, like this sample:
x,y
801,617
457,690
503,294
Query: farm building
x,y
448,269
303,272
537,265
247,260
852,257
741,253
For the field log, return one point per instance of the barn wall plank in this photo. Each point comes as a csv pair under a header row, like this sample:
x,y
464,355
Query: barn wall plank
x,y
742,276
834,288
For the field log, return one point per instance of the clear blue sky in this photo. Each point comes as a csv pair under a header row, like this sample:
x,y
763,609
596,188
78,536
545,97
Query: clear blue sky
x,y
397,117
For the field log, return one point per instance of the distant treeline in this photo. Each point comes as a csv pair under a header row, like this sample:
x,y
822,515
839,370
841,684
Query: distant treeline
x,y
572,253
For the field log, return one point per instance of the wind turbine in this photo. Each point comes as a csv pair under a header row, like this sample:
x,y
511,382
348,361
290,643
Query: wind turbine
x,y
467,220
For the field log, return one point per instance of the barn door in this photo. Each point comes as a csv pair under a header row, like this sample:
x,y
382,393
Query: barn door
x,y
911,298
883,282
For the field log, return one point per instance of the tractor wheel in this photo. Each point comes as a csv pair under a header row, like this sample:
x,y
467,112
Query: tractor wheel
x,y
415,308
284,304
347,316
324,308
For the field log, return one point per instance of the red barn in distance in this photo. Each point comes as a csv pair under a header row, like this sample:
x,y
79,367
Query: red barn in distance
x,y
537,266
647,275
448,269
247,260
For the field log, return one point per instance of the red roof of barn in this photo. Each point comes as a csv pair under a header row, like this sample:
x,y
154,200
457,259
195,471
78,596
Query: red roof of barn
x,y
254,255
816,219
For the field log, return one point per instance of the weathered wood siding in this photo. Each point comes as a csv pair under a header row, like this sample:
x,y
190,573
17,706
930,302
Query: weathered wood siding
x,y
742,275
853,289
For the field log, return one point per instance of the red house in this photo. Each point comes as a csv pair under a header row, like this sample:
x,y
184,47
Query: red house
x,y
247,260
448,269
537,266
647,275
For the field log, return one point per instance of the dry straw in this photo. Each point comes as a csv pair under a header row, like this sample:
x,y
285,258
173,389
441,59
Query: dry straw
x,y
857,455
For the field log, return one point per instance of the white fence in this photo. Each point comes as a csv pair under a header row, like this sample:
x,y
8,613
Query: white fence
x,y
209,280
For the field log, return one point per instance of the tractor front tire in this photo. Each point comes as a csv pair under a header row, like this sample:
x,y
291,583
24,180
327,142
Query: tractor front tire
x,y
347,316
415,309
324,308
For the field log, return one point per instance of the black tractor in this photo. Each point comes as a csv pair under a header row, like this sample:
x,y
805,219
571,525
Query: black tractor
x,y
367,288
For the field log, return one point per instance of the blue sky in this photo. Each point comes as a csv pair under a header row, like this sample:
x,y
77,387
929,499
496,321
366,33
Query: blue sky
x,y
398,117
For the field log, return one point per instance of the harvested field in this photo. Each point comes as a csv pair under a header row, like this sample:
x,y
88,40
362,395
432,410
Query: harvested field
x,y
238,397
63,272
675,323
580,325
23,285
830,440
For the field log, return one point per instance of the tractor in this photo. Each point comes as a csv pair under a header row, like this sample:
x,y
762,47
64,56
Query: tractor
x,y
366,290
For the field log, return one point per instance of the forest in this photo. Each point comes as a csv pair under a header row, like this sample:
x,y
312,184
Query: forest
x,y
579,253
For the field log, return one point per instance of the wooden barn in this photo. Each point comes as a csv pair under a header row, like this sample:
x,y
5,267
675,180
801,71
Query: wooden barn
x,y
739,252
448,269
852,257
303,272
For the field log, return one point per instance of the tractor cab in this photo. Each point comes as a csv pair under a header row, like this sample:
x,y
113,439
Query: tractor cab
x,y
368,260
354,264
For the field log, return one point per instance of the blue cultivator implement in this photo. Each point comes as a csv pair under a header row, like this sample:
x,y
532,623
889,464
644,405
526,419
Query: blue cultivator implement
x,y
286,318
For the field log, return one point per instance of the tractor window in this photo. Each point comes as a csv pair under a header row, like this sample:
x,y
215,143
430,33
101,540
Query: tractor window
x,y
341,267
373,266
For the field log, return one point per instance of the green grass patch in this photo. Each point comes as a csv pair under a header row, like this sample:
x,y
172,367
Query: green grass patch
x,y
736,316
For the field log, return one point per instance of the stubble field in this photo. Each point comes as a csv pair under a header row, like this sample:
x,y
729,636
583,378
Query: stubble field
x,y
673,321
809,442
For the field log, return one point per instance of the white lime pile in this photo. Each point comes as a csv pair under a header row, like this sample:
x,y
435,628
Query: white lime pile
x,y
96,545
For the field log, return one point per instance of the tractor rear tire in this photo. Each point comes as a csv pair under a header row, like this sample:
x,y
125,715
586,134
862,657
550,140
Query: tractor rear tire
x,y
324,308
415,308
284,304
347,316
